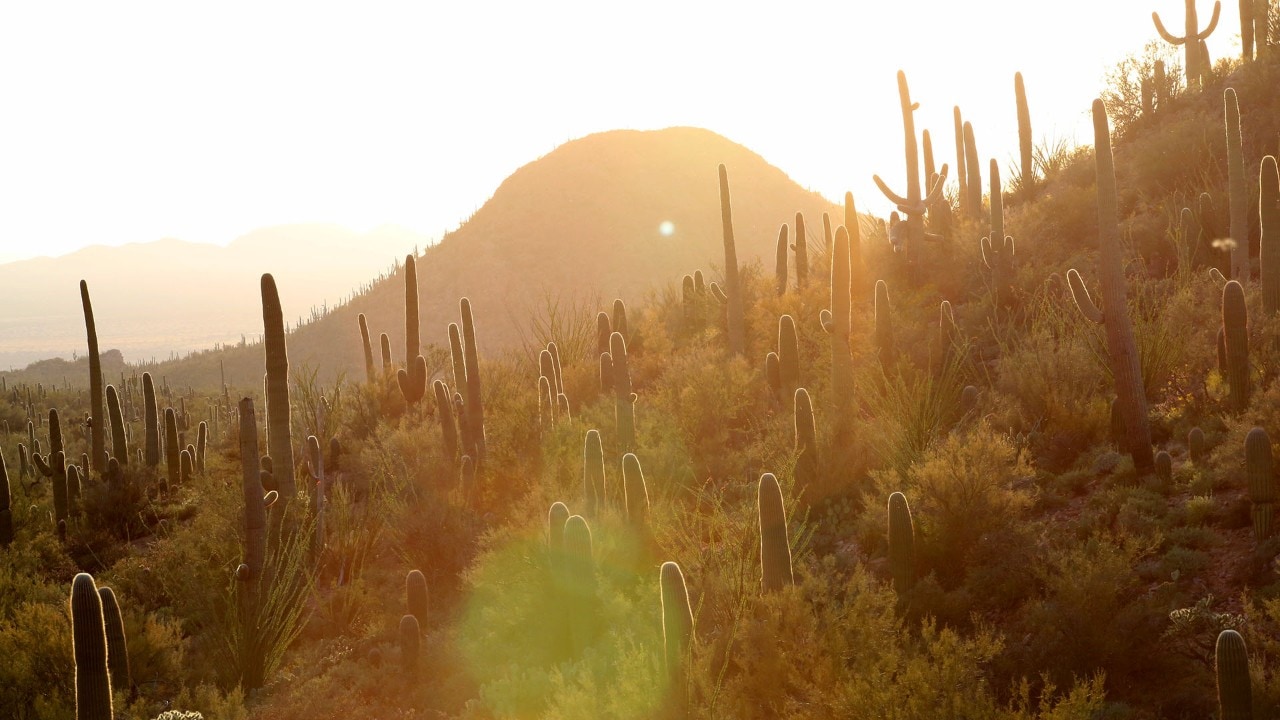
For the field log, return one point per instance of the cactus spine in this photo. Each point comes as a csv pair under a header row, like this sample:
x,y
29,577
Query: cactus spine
x,y
279,437
117,647
97,406
1235,321
89,635
1121,347
413,376
593,481
371,372
1269,241
677,621
775,549
1262,490
732,283
1193,39
902,545
1235,692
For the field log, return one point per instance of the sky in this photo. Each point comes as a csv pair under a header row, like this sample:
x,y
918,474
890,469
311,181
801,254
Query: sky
x,y
134,121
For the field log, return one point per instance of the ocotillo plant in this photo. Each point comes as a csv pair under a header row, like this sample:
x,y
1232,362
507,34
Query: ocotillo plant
x,y
732,283
1231,665
1237,190
117,646
914,204
371,373
1191,39
801,248
593,480
677,621
806,447
1235,326
780,262
1269,242
1121,347
97,405
902,545
1262,484
413,376
775,547
89,636
415,586
279,437
998,248
1027,178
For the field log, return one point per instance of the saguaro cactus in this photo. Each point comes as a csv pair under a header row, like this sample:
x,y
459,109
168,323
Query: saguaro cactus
x,y
89,636
1237,190
801,248
413,376
962,175
914,204
677,620
806,446
1121,347
998,248
279,437
97,405
1235,691
250,584
636,492
1269,243
6,513
593,481
902,545
1235,321
840,328
1262,489
172,450
780,262
788,356
151,421
415,586
117,647
410,634
886,347
448,430
1027,180
732,283
1191,39
775,548
624,398
370,371
974,188
119,442
580,577
475,401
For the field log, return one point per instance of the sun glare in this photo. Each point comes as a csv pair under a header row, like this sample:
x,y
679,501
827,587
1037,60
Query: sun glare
x,y
666,228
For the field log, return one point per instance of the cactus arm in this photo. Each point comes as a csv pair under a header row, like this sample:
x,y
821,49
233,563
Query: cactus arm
x,y
1165,33
824,319
984,245
1080,294
935,192
893,197
1213,21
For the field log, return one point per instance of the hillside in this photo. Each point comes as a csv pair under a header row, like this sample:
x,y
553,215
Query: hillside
x,y
167,297
578,226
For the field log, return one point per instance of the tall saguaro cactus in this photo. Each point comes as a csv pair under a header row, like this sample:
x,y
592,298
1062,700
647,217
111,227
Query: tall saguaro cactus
x,y
1269,242
370,371
1121,347
962,176
914,205
1028,170
150,421
1237,190
998,248
593,479
1235,336
775,548
474,398
974,189
413,376
732,283
1191,39
801,248
780,262
279,436
119,443
89,636
840,328
97,404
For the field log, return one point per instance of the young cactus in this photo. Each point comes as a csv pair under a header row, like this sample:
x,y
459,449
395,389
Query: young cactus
x,y
775,548
1121,346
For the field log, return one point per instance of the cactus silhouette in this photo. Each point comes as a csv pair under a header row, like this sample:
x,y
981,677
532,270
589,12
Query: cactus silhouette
x,y
775,548
89,635
593,480
1231,664
117,647
415,585
1235,326
279,437
412,378
902,545
1191,39
1262,489
97,404
732,283
677,621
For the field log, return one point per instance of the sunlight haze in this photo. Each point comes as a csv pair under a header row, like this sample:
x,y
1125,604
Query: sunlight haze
x,y
140,121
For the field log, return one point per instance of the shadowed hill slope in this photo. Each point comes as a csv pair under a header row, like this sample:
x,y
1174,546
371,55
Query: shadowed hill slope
x,y
579,225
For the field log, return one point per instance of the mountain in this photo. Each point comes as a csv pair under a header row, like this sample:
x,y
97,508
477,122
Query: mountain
x,y
582,224
169,296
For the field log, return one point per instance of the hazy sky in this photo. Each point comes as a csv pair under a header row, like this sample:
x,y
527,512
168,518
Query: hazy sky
x,y
130,121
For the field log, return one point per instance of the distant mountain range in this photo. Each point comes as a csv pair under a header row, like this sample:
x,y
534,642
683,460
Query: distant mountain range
x,y
157,298
615,214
